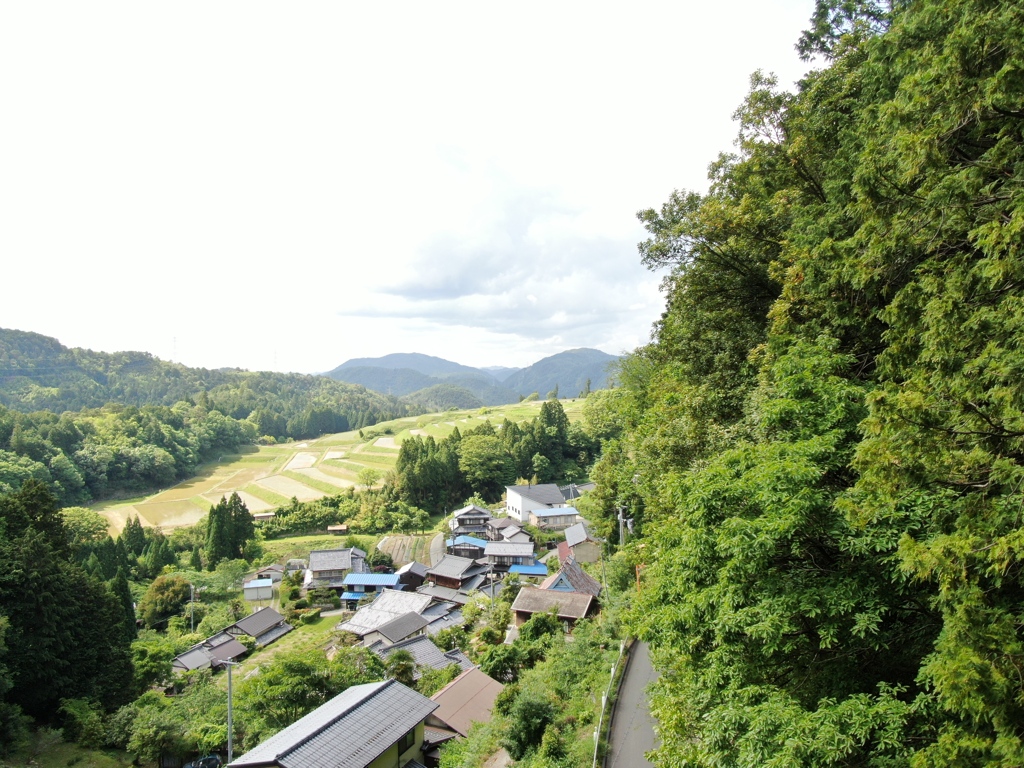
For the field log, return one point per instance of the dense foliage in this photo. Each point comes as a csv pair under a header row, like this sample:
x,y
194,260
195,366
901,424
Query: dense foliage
x,y
821,448
37,373
60,635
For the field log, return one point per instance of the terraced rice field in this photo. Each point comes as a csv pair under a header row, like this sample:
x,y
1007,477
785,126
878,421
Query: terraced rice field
x,y
269,476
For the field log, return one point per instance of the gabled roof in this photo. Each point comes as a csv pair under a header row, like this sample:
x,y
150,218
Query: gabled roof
x,y
509,548
472,510
453,567
443,593
403,626
273,567
546,493
258,583
417,568
467,699
426,654
389,604
335,559
371,579
574,491
349,731
568,605
497,523
556,512
574,579
472,541
577,534
257,623
564,552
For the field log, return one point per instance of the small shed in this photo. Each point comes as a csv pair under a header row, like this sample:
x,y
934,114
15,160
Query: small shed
x,y
259,589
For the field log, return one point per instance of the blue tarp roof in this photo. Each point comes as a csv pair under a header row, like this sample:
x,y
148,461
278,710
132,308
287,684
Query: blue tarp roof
x,y
529,570
371,579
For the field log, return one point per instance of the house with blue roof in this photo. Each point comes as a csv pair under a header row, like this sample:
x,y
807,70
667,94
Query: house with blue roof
x,y
554,519
466,546
356,586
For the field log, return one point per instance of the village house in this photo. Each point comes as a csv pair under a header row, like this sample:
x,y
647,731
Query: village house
x,y
258,589
467,699
521,500
554,519
496,525
466,546
374,725
264,626
455,572
572,578
584,547
412,575
502,555
400,628
425,654
469,520
356,586
570,607
388,605
329,567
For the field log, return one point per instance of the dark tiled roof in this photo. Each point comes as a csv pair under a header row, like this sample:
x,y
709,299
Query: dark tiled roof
x,y
443,593
509,548
228,651
578,579
547,493
576,534
257,623
426,654
349,731
418,568
402,627
452,567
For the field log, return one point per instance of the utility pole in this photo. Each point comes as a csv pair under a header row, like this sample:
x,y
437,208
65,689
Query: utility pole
x,y
622,525
229,664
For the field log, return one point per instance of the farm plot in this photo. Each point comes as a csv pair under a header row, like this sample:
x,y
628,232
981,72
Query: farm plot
x,y
405,549
287,487
323,477
302,461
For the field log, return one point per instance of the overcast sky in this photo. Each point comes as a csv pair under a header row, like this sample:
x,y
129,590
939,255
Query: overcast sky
x,y
285,186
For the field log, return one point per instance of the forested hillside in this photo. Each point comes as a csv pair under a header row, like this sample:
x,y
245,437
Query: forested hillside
x,y
822,446
38,373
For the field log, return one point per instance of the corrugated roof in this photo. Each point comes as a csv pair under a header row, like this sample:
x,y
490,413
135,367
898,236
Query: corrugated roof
x,y
471,540
258,583
349,731
509,548
546,493
335,559
569,605
529,570
576,534
371,579
257,623
558,511
403,626
467,699
389,604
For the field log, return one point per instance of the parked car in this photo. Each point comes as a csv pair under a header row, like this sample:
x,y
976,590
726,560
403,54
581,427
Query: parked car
x,y
210,761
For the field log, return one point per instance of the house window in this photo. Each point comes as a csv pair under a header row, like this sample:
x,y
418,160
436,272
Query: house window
x,y
405,743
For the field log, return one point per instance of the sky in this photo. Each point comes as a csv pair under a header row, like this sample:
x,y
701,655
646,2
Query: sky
x,y
286,186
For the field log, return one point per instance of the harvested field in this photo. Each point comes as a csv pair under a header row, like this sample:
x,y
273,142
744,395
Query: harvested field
x,y
252,503
385,442
301,461
285,486
323,477
169,513
334,455
405,549
419,432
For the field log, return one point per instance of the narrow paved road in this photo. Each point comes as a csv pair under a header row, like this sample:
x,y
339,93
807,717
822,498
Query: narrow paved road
x,y
632,731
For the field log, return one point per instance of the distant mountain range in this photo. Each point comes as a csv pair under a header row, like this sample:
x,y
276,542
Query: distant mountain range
x,y
436,383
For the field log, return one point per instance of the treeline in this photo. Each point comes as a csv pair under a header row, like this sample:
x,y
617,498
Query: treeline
x,y
822,448
115,449
438,475
37,373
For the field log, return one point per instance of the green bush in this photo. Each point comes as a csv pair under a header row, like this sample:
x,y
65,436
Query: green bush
x,y
300,604
310,616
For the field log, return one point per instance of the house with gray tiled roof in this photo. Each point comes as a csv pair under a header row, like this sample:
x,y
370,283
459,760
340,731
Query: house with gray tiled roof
x,y
425,654
584,547
572,578
366,726
388,605
469,520
400,628
264,626
329,567
521,500
504,554
453,572
555,518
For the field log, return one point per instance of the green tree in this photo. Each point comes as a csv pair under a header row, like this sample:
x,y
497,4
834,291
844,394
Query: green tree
x,y
165,597
401,666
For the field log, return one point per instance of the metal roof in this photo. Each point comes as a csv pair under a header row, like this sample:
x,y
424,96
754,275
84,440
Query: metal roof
x,y
371,579
569,605
529,570
257,623
467,540
467,699
335,559
577,534
509,548
554,512
546,493
258,583
389,604
349,731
